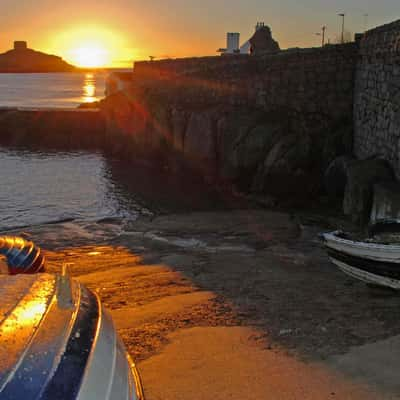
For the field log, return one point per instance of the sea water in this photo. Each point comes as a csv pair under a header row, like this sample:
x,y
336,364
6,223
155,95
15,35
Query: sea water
x,y
58,90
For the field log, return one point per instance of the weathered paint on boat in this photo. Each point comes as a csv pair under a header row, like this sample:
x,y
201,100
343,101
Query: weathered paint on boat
x,y
57,342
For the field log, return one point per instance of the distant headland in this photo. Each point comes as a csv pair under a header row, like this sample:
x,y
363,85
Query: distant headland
x,y
21,59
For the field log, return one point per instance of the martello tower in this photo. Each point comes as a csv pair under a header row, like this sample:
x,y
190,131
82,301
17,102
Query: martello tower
x,y
20,45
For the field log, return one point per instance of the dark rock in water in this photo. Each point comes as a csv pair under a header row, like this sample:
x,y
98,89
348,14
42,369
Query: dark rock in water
x,y
361,177
386,203
263,43
335,177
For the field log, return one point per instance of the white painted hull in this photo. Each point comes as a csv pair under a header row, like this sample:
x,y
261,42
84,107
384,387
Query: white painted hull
x,y
373,263
57,342
110,372
370,251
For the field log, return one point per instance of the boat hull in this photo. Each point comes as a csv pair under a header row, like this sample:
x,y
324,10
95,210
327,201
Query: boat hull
x,y
57,342
373,263
365,276
371,251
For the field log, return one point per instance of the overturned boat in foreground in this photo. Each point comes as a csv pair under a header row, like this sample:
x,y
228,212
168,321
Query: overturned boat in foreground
x,y
57,342
374,260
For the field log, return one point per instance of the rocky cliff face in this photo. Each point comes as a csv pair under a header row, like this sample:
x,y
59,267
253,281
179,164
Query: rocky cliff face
x,y
269,124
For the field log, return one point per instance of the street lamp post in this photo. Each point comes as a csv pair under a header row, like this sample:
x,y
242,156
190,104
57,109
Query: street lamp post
x,y
322,34
342,15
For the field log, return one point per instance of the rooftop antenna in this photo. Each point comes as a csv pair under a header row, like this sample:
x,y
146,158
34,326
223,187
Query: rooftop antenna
x,y
259,25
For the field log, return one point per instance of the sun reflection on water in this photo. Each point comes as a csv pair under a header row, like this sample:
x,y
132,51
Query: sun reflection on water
x,y
89,89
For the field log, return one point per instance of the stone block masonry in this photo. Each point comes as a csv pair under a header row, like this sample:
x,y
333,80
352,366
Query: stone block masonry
x,y
377,96
318,80
267,123
57,129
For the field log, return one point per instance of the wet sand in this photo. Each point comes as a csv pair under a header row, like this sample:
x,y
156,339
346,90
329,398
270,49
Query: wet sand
x,y
238,304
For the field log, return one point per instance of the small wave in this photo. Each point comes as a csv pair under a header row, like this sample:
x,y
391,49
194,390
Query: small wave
x,y
44,223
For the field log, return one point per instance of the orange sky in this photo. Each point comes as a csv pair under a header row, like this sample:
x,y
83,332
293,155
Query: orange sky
x,y
120,31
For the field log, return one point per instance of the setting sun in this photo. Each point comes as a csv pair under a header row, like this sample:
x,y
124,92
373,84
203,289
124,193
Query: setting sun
x,y
93,46
90,56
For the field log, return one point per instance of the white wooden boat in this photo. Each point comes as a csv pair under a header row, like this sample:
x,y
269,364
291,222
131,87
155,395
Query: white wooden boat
x,y
57,342
369,260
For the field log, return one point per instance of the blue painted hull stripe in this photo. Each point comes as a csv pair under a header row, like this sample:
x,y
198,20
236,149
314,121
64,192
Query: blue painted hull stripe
x,y
39,362
20,254
66,381
22,322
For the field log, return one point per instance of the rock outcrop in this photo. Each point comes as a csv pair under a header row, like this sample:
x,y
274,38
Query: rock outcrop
x,y
22,59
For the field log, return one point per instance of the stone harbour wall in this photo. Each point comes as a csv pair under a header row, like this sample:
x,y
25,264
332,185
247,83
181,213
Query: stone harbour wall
x,y
377,96
270,124
57,129
316,80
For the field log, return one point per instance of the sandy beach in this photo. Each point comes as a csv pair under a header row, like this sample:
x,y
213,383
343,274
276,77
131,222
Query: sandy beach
x,y
238,304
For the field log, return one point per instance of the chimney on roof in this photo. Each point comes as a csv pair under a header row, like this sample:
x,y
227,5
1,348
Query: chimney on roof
x,y
20,45
260,25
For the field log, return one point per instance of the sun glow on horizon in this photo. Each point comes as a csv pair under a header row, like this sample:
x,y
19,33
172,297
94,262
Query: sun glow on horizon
x,y
90,55
92,46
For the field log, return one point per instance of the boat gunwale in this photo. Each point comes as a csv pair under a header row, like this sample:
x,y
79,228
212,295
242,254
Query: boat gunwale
x,y
334,237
